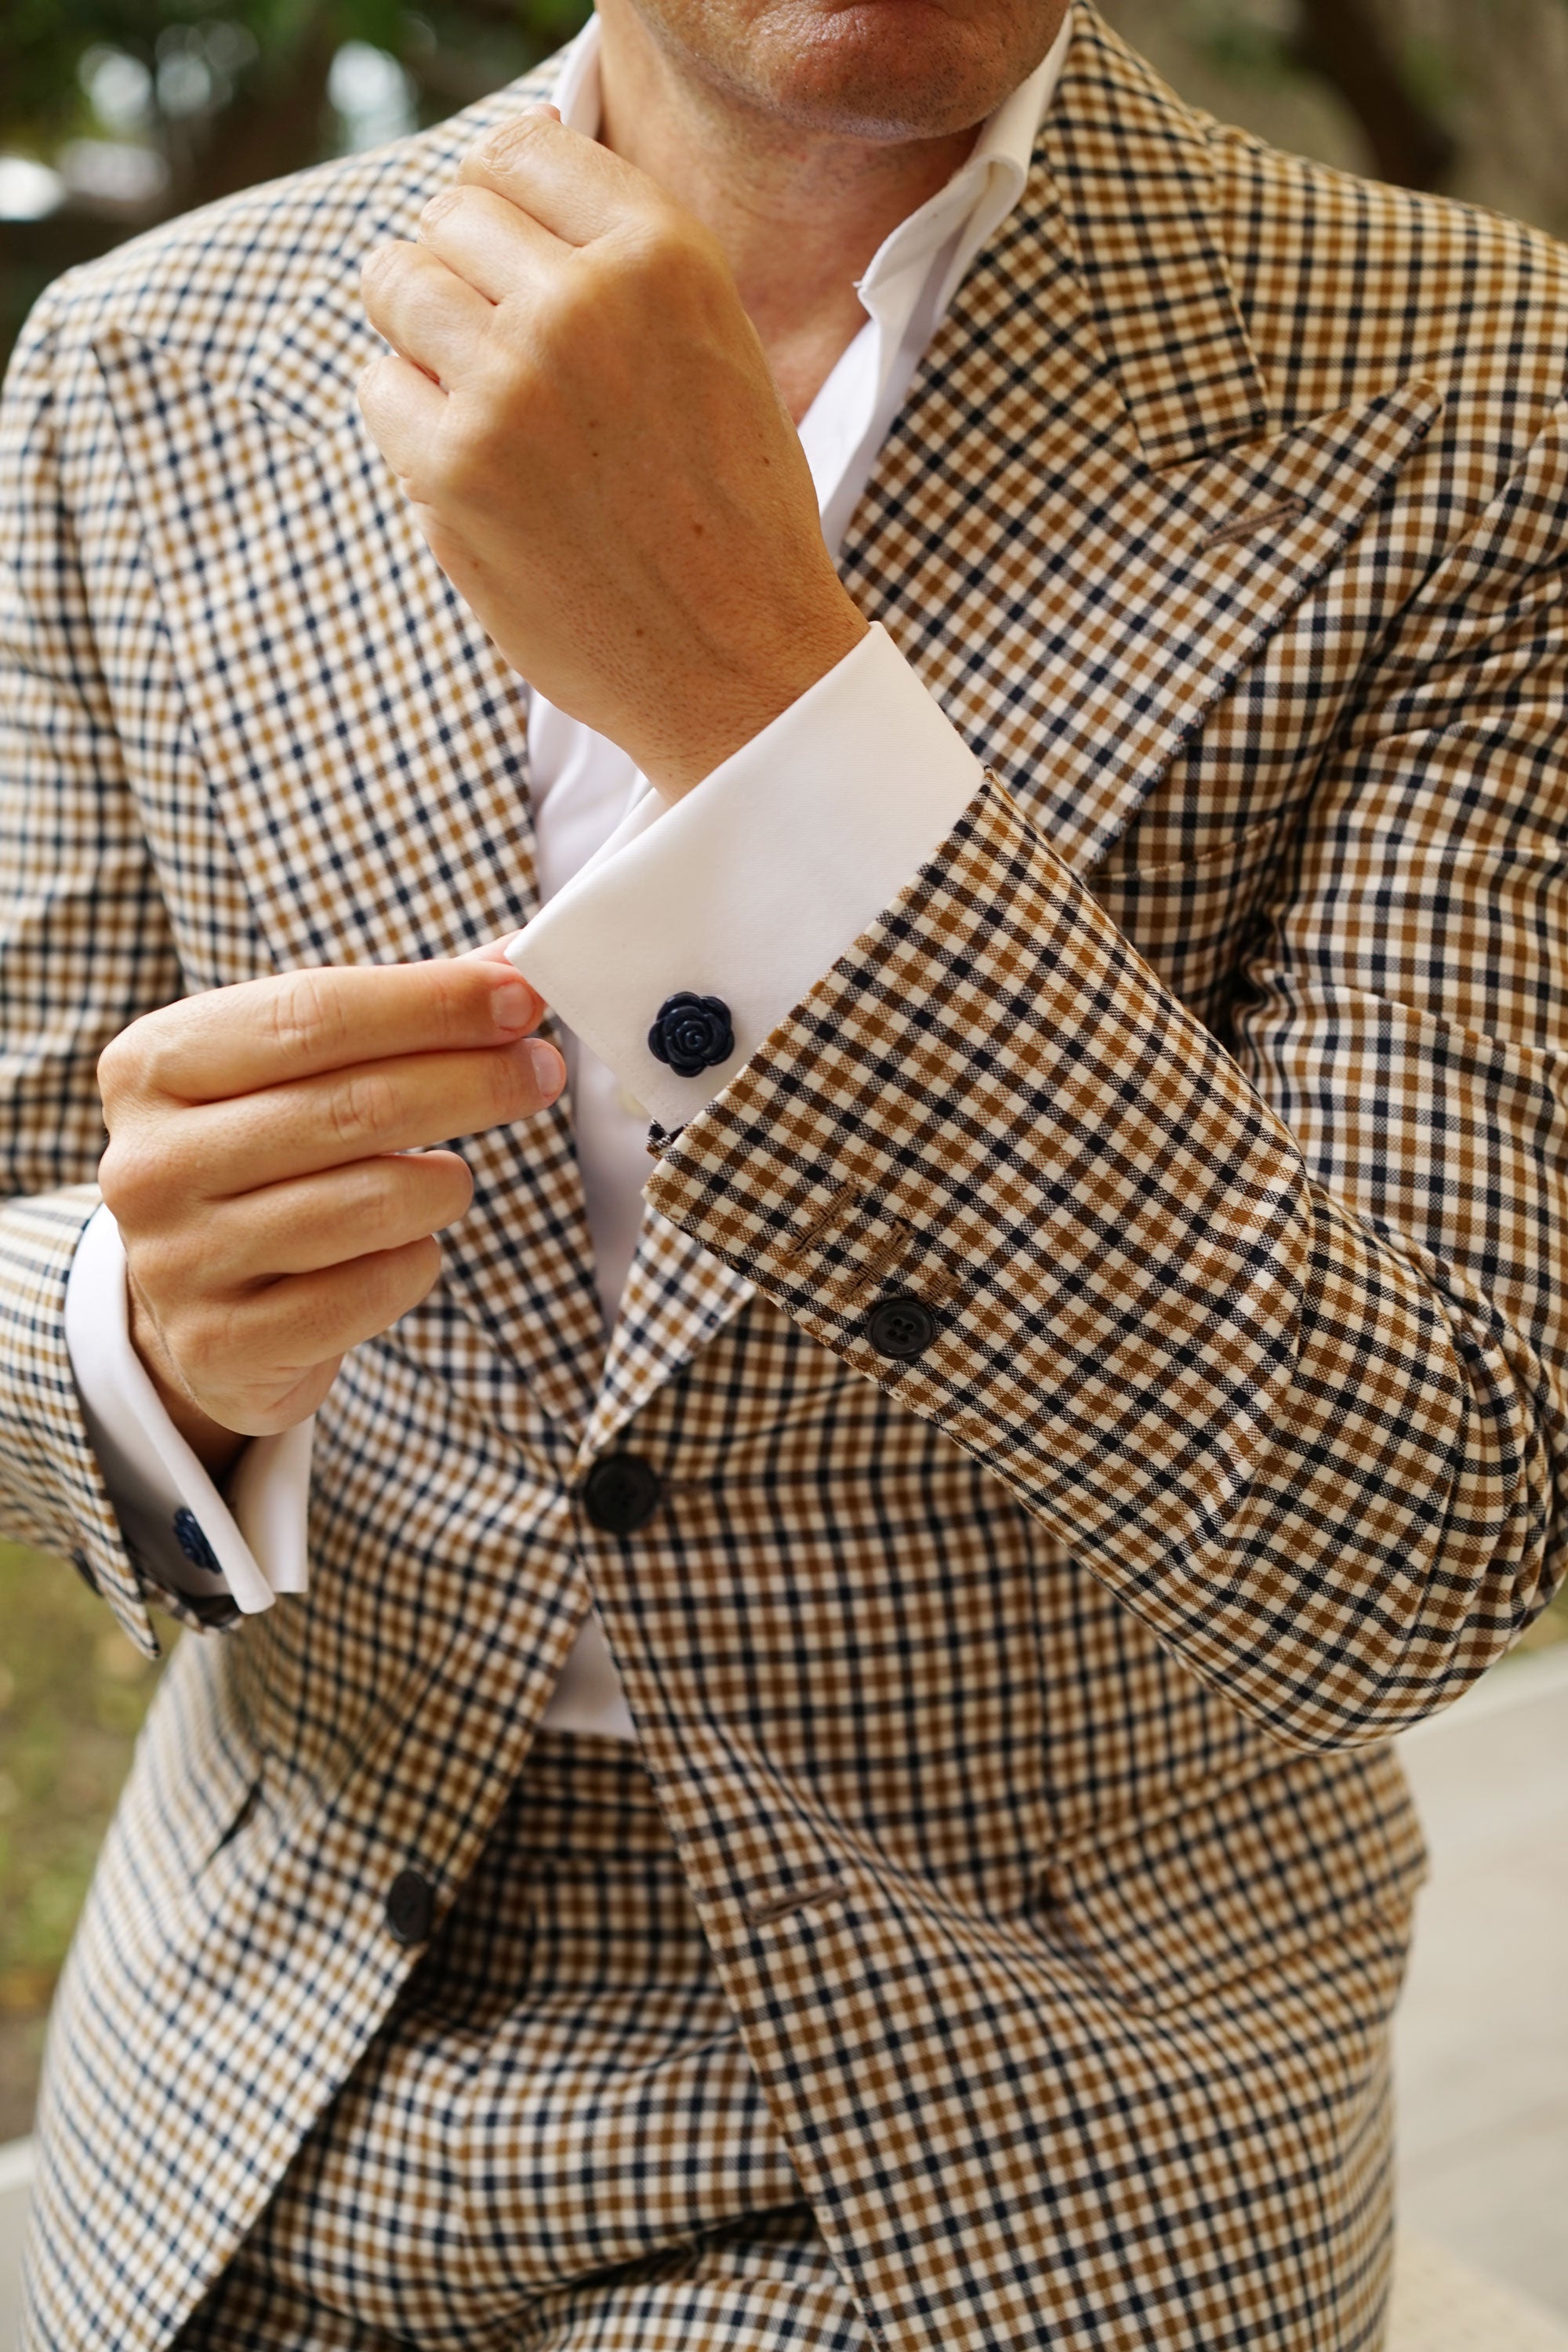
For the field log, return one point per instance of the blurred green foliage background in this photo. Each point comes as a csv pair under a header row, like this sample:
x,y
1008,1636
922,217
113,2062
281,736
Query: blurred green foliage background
x,y
115,114
73,1691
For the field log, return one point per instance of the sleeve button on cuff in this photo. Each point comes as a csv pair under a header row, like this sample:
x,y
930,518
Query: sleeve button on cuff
x,y
901,1326
410,1907
692,1033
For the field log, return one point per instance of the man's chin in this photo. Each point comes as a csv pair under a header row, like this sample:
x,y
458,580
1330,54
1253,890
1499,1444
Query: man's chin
x,y
873,70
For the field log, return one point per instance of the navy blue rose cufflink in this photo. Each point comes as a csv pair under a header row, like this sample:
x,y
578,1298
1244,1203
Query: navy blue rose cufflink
x,y
692,1033
192,1538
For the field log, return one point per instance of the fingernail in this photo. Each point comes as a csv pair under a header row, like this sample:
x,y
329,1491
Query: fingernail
x,y
549,1069
512,1005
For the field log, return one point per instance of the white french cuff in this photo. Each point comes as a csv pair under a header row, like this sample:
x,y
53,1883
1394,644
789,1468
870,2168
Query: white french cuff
x,y
256,1535
750,888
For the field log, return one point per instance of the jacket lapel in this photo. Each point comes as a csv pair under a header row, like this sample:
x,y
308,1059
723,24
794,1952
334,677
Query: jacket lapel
x,y
364,741
677,1295
1082,526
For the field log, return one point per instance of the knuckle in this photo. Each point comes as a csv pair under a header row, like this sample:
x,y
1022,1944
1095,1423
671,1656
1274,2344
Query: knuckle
x,y
115,1065
303,1015
454,1194
674,248
511,1082
452,999
469,445
161,1270
423,1272
505,144
140,1060
368,1199
132,1177
444,204
380,267
202,1342
363,1107
439,1189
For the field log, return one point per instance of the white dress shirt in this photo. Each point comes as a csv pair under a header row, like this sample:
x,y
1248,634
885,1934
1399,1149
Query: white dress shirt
x,y
748,888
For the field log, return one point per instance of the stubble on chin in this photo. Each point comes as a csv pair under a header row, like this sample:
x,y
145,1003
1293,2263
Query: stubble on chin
x,y
881,70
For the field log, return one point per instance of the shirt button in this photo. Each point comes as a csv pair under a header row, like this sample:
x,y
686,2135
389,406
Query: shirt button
x,y
901,1326
621,1494
410,1907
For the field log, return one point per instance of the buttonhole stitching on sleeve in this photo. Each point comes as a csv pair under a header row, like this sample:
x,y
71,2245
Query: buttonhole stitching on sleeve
x,y
1243,526
766,1908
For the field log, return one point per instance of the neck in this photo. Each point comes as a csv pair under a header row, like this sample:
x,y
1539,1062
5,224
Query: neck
x,y
798,213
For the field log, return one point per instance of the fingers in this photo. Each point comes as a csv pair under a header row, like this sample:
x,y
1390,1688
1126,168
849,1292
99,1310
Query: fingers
x,y
159,1166
234,1041
404,411
488,242
308,1223
569,184
267,1164
431,314
310,1318
301,1323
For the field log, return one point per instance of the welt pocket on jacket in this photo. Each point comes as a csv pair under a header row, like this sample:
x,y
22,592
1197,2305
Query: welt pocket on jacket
x,y
1240,851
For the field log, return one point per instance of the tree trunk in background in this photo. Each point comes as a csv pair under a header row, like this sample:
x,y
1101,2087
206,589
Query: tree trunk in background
x,y
1342,40
272,126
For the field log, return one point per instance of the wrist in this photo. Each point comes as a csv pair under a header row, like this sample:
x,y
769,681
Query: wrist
x,y
719,713
217,1449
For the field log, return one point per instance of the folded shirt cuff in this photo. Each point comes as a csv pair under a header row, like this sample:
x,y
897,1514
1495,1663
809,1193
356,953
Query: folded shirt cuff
x,y
698,927
190,1538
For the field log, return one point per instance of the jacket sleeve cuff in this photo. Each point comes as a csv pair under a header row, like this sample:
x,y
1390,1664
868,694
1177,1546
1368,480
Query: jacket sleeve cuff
x,y
249,1546
745,893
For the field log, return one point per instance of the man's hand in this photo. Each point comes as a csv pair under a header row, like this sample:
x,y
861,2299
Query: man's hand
x,y
584,417
267,1167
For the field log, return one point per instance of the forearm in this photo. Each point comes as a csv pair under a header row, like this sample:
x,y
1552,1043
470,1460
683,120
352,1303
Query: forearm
x,y
1318,1469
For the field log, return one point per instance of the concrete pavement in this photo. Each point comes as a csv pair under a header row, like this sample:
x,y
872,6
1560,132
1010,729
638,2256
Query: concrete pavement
x,y
1482,2033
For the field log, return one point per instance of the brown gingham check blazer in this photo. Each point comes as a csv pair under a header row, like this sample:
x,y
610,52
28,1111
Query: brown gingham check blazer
x,y
1019,1710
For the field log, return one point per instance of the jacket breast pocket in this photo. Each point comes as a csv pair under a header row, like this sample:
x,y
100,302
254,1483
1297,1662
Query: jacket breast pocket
x,y
1189,917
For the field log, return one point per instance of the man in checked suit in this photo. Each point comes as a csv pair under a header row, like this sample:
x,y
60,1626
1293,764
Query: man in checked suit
x,y
1090,945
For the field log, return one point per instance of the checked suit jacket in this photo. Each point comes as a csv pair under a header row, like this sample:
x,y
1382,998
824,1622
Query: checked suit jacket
x,y
1019,1710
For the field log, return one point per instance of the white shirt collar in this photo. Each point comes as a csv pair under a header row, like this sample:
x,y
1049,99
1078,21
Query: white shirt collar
x,y
971,206
909,283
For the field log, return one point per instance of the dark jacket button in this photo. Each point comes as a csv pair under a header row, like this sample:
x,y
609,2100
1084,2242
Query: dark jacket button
x,y
901,1325
410,1907
621,1494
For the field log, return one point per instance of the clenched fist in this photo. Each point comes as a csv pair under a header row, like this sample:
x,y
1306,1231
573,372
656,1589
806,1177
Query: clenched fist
x,y
584,417
267,1167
